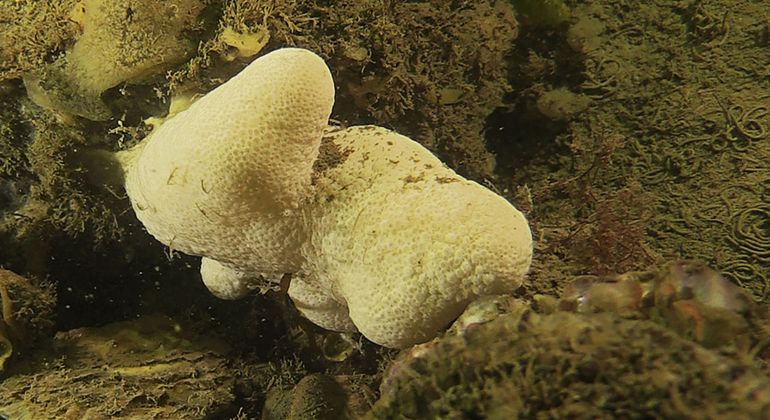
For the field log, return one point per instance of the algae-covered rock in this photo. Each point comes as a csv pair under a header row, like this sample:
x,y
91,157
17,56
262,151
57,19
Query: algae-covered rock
x,y
316,396
319,396
150,368
688,297
561,104
122,41
567,365
31,30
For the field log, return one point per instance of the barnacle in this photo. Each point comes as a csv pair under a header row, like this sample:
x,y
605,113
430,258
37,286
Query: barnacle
x,y
689,297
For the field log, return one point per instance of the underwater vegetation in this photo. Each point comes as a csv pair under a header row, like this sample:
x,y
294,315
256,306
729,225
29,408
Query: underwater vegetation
x,y
607,345
568,364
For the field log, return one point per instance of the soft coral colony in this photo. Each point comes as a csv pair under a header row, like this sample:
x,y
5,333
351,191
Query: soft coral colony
x,y
379,236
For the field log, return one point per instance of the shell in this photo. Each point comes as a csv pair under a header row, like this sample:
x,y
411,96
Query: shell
x,y
687,296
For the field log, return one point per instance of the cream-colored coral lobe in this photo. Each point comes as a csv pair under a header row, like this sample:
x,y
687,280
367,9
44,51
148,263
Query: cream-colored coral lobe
x,y
383,239
404,242
224,178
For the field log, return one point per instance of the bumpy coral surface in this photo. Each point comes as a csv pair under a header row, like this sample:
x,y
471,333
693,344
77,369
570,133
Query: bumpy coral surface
x,y
403,241
378,234
224,179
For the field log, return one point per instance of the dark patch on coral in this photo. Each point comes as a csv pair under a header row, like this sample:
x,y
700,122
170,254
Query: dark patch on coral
x,y
329,155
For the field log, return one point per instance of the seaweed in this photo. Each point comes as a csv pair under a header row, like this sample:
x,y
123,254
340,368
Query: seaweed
x,y
611,239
